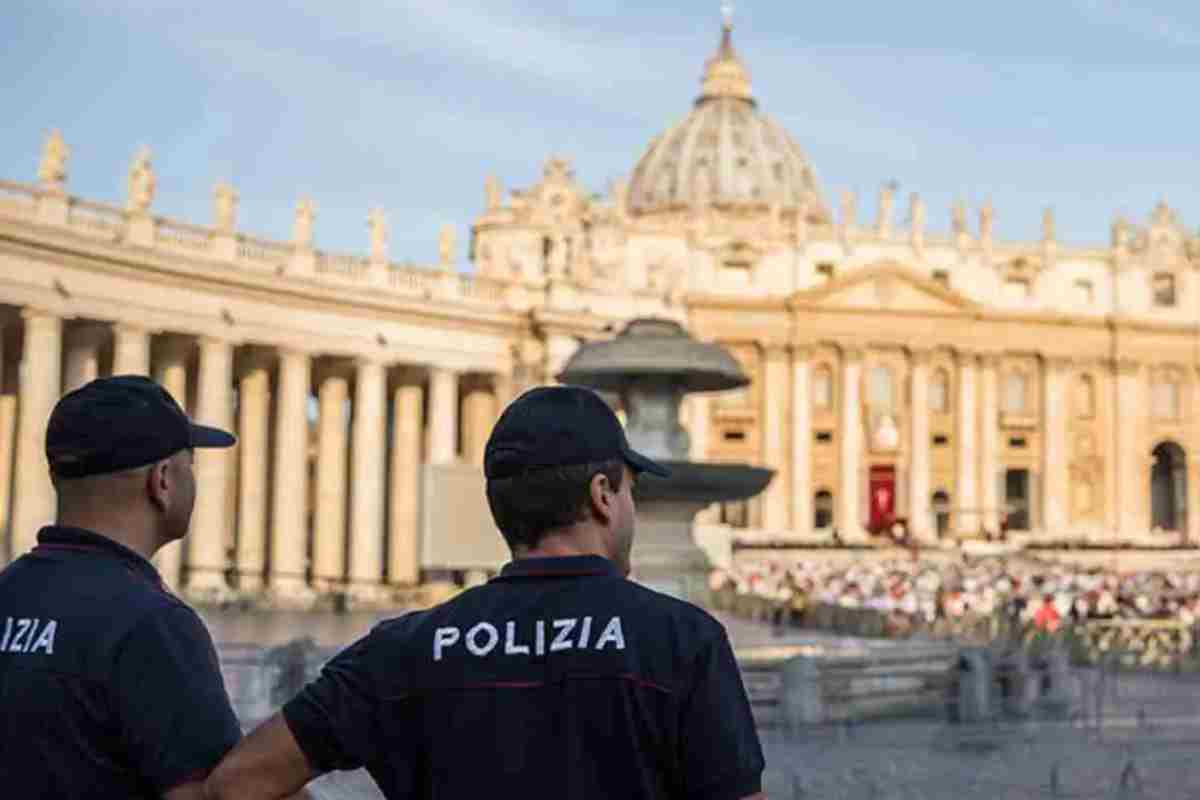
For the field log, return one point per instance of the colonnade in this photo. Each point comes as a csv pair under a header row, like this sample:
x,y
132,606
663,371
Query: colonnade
x,y
321,492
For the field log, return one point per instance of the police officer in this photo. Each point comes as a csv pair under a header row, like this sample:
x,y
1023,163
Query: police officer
x,y
109,685
558,678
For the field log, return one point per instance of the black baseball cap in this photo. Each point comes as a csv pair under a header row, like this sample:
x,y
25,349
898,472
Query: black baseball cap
x,y
559,426
119,423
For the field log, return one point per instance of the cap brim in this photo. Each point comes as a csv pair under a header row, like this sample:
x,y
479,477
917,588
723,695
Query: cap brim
x,y
204,436
639,463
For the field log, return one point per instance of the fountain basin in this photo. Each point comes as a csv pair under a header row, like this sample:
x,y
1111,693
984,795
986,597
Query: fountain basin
x,y
703,482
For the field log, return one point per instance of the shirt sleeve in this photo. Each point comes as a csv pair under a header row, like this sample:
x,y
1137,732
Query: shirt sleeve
x,y
333,717
722,758
175,716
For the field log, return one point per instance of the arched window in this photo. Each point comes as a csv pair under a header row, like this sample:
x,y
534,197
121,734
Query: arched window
x,y
823,509
823,388
1085,397
881,393
1016,392
939,392
940,505
1166,398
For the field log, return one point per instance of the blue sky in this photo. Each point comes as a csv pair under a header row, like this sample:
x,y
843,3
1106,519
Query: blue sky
x,y
1086,105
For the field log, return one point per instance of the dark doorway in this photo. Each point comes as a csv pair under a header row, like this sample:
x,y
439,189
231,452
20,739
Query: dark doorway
x,y
1016,499
823,509
1168,488
940,506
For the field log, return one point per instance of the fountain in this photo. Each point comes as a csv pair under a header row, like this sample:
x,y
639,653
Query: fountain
x,y
651,364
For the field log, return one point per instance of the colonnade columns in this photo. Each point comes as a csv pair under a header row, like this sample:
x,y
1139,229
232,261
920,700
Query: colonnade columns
x,y
801,488
918,466
404,564
443,415
329,527
171,372
774,440
8,430
289,505
206,544
1054,446
1131,484
81,345
367,491
989,442
479,412
966,480
131,350
849,523
254,412
41,379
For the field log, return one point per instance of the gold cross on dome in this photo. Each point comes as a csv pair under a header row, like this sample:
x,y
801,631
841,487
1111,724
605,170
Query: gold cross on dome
x,y
727,9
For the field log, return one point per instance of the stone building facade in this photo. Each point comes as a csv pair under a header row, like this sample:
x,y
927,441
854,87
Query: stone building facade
x,y
956,381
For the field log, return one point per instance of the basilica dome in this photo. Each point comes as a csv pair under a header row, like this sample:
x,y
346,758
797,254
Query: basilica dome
x,y
725,153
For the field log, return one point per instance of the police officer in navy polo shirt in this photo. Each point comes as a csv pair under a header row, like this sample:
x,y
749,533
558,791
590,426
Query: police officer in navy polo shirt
x,y
559,678
109,686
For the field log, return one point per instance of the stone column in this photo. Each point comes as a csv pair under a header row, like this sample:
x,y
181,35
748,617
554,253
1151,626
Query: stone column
x,y
918,448
367,494
404,564
479,412
801,488
207,559
1054,446
81,363
254,415
504,388
1132,485
329,526
967,419
989,441
8,431
775,440
849,521
131,350
443,416
171,372
33,495
289,508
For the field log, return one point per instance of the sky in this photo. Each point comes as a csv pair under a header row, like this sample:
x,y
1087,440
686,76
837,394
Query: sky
x,y
1089,106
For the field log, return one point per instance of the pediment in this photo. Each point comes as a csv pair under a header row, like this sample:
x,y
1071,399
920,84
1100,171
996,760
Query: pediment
x,y
884,288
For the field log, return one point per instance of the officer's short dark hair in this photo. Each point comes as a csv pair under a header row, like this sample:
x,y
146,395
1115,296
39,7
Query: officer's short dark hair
x,y
529,505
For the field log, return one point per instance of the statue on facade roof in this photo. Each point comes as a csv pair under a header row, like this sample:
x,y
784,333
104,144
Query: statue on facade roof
x,y
225,200
887,199
446,246
958,219
142,182
377,225
1120,232
493,192
986,217
52,170
1048,224
302,228
916,215
849,209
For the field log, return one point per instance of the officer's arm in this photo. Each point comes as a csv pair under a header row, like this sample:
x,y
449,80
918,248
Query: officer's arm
x,y
722,758
266,765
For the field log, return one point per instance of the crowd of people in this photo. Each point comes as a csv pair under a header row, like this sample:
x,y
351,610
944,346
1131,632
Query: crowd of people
x,y
918,593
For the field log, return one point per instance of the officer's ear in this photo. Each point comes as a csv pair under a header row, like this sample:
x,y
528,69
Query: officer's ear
x,y
602,496
158,485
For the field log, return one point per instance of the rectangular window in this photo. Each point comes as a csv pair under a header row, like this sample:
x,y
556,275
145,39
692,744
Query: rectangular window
x,y
1017,442
824,437
825,270
1085,293
1016,290
823,389
735,436
941,441
942,277
1015,393
1164,289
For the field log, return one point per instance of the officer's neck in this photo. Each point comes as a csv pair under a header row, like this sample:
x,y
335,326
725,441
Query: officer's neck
x,y
141,539
580,540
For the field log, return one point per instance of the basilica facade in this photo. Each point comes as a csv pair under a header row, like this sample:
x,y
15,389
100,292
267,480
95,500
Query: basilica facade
x,y
947,381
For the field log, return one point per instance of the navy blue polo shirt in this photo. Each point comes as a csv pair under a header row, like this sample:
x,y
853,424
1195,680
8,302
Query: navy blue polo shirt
x,y
109,684
558,678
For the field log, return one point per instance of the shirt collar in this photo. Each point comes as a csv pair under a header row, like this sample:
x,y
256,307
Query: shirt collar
x,y
62,537
558,567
